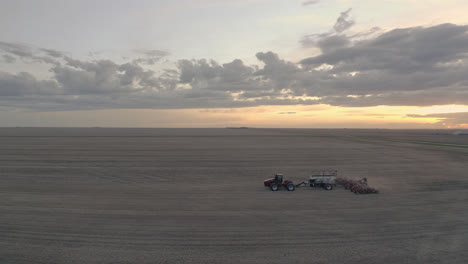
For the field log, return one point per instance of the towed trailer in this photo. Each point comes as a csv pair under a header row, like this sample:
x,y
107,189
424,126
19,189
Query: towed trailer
x,y
325,179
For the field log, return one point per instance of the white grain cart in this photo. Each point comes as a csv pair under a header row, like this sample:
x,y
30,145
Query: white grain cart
x,y
324,179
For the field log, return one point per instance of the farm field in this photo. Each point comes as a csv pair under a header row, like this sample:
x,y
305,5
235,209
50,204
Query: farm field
x,y
110,195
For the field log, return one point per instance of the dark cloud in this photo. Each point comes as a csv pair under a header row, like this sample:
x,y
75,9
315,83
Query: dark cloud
x,y
333,42
27,53
311,40
408,66
311,2
428,60
103,77
8,58
334,38
23,84
17,49
343,22
207,77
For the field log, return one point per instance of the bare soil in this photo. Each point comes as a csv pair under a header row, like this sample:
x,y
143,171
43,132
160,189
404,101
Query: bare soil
x,y
98,195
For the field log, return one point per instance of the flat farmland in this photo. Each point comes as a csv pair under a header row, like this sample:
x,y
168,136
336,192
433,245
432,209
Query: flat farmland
x,y
102,195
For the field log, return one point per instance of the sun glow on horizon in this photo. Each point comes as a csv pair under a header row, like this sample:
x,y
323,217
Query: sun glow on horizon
x,y
440,109
278,116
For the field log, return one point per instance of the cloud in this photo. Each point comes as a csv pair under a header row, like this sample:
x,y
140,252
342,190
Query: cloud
x,y
103,77
333,42
26,53
150,56
154,53
216,111
286,113
8,58
24,83
366,34
404,49
343,22
17,49
311,2
452,120
53,53
334,38
425,62
418,66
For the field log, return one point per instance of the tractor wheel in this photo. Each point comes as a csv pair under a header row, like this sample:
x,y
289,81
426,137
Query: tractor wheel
x,y
328,187
291,187
274,187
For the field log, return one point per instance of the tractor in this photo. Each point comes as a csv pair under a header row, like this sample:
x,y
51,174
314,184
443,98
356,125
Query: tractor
x,y
277,182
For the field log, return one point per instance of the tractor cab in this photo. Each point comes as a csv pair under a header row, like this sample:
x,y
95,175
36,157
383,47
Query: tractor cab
x,y
278,177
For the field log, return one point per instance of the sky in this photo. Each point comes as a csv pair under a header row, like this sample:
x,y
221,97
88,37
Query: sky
x,y
218,63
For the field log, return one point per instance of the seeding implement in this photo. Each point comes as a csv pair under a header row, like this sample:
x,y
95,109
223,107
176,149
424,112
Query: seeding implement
x,y
356,186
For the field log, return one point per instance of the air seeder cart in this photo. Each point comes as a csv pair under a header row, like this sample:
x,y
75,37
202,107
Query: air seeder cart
x,y
323,179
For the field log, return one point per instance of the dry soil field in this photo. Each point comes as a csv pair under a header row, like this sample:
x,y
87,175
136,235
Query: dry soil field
x,y
196,196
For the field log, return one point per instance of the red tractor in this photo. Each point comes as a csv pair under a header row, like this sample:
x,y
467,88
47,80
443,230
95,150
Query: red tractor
x,y
277,182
